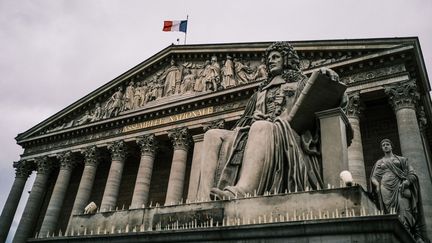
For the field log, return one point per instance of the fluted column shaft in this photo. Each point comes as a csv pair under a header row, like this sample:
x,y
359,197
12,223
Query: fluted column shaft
x,y
34,202
22,172
180,139
356,163
403,98
67,163
91,162
112,187
142,183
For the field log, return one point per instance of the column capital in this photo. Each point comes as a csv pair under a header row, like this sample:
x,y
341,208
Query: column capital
x,y
354,106
118,150
180,138
91,156
67,160
148,144
44,165
216,124
402,95
23,168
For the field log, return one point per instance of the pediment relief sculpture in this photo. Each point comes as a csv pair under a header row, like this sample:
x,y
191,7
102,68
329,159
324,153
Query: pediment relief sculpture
x,y
180,78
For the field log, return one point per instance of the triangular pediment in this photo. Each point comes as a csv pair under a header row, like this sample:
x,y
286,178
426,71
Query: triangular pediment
x,y
180,72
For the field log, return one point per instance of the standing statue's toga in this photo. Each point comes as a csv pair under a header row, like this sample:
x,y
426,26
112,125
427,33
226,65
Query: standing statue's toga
x,y
262,152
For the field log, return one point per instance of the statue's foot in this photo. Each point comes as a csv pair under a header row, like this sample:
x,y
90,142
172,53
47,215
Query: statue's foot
x,y
218,194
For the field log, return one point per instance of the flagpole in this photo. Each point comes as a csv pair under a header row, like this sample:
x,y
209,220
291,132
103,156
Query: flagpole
x,y
187,20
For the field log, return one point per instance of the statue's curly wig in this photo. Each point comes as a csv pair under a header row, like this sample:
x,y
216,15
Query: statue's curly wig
x,y
291,67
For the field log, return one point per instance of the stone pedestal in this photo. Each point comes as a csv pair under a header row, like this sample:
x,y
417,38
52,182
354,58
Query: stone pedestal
x,y
34,202
112,187
195,168
23,170
49,224
333,125
142,184
180,139
355,151
403,98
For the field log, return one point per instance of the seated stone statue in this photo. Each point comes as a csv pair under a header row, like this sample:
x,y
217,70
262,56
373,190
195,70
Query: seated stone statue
x,y
262,152
396,189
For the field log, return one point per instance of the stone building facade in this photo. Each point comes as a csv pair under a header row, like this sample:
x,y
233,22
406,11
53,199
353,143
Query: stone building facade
x,y
136,142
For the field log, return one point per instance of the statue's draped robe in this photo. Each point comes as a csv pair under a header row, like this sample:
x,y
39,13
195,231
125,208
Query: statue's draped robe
x,y
291,160
171,76
390,173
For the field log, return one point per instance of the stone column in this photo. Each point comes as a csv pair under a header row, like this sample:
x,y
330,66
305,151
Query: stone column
x,y
333,124
142,185
403,97
23,169
91,162
180,139
34,202
112,187
355,151
49,224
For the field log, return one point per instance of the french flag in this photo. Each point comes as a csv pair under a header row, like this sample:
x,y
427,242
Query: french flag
x,y
175,25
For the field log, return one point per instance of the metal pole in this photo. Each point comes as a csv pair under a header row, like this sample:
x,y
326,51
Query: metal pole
x,y
187,20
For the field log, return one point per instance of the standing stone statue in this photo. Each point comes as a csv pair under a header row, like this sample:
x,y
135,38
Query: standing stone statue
x,y
262,152
396,188
171,77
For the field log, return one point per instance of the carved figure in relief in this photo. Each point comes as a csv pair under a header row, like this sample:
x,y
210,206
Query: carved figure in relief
x,y
228,73
98,112
242,72
262,152
261,72
137,95
85,119
143,94
152,92
212,75
188,81
115,103
200,81
171,77
129,96
396,189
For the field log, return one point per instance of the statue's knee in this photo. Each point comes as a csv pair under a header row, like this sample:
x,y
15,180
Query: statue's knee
x,y
211,134
262,126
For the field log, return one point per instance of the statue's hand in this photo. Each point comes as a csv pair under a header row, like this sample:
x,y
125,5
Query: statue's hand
x,y
330,73
257,116
404,185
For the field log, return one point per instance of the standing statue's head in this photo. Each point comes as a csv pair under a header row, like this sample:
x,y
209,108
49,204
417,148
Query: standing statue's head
x,y
282,59
386,145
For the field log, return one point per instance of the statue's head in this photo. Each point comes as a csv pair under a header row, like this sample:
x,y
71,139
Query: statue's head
x,y
281,58
386,145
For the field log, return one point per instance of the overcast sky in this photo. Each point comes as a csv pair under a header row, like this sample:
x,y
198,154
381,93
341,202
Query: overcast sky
x,y
53,52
